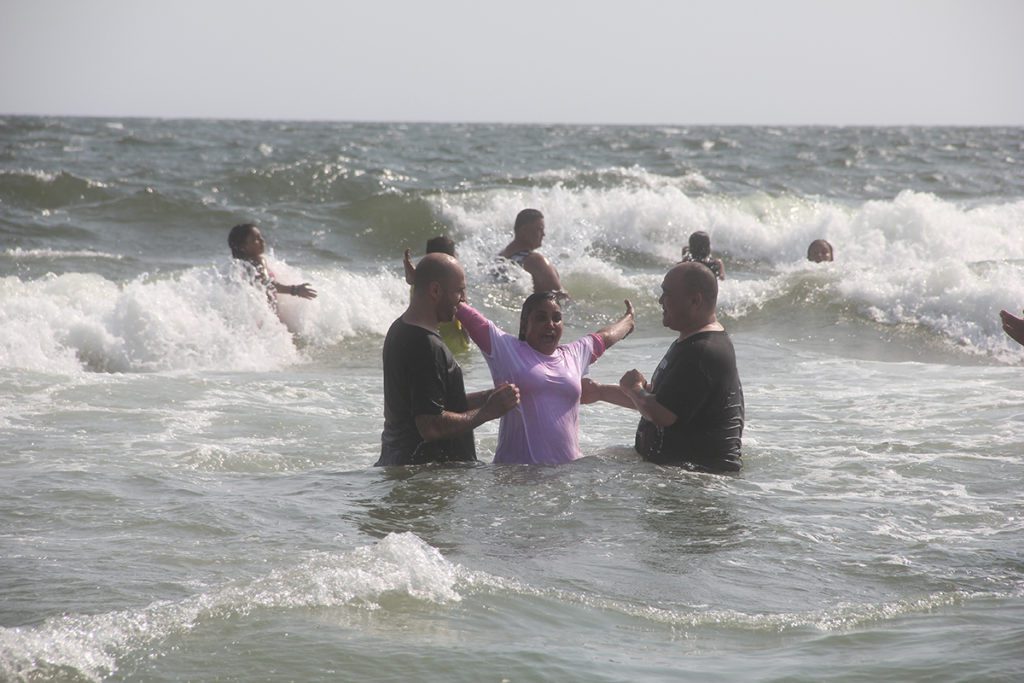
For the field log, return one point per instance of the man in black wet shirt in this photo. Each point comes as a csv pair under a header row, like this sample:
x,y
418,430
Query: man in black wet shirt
x,y
692,411
427,415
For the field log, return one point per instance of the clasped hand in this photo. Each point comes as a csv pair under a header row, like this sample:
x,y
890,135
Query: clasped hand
x,y
633,380
503,399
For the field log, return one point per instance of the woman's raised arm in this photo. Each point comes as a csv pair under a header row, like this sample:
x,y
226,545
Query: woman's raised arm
x,y
620,329
476,324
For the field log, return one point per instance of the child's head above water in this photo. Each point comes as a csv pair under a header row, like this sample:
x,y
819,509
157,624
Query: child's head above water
x,y
700,245
819,251
442,244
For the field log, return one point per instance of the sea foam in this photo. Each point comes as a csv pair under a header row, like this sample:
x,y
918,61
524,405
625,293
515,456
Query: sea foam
x,y
92,645
913,260
201,318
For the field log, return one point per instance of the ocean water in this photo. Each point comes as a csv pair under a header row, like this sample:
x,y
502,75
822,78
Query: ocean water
x,y
186,481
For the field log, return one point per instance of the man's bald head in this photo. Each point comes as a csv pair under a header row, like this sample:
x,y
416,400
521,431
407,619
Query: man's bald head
x,y
436,267
694,278
438,287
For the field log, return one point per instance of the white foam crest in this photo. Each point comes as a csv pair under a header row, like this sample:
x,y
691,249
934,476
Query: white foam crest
x,y
195,320
347,304
35,317
646,219
909,229
92,645
657,219
654,219
945,296
49,177
916,259
840,617
634,176
44,176
52,254
202,318
956,302
586,268
737,298
67,323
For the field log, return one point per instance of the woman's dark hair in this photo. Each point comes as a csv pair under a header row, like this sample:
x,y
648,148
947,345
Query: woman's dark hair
x,y
237,237
531,303
700,245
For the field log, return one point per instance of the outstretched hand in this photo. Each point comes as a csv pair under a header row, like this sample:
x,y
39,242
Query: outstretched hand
x,y
620,329
1013,326
410,270
304,291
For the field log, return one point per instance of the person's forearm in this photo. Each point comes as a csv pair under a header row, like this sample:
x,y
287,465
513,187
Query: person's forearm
x,y
612,393
410,270
617,331
448,425
292,290
647,405
478,398
495,403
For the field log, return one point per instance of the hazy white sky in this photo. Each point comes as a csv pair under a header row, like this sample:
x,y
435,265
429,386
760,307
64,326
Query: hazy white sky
x,y
630,61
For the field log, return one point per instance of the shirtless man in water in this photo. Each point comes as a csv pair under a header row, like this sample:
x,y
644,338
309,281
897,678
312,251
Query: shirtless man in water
x,y
528,237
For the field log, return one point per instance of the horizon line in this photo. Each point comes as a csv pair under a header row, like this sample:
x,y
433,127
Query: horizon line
x,y
481,122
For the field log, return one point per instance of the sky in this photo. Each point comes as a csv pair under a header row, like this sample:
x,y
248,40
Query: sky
x,y
726,62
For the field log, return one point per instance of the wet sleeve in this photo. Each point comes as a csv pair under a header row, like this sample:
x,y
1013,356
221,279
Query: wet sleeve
x,y
478,327
584,351
599,347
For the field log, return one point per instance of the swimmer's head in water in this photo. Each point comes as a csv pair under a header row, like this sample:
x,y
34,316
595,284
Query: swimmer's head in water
x,y
700,245
529,227
540,323
442,244
819,251
527,216
246,242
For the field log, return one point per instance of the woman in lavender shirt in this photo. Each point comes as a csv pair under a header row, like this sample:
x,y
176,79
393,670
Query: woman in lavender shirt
x,y
544,428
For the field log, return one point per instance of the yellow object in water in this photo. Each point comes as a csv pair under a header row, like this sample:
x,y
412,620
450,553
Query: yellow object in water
x,y
455,338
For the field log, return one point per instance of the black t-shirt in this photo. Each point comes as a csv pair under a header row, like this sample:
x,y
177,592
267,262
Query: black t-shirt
x,y
420,378
697,380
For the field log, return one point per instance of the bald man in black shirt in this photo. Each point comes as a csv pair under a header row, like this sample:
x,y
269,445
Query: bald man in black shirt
x,y
692,411
427,415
